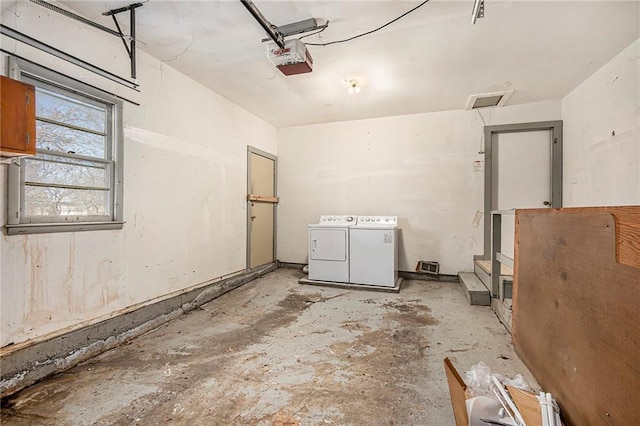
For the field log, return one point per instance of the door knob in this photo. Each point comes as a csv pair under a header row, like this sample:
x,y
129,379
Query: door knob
x,y
546,203
253,217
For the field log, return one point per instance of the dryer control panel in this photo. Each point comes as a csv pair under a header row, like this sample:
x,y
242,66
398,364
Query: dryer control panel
x,y
346,219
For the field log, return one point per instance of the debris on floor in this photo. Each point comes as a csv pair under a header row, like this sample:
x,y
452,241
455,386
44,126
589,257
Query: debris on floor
x,y
486,398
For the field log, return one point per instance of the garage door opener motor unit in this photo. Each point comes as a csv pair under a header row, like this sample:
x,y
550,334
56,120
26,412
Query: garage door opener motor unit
x,y
293,59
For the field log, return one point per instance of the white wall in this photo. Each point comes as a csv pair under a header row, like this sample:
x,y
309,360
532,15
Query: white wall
x,y
184,193
418,167
602,135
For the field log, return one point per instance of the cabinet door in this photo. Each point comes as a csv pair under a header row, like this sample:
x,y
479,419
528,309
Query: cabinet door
x,y
18,118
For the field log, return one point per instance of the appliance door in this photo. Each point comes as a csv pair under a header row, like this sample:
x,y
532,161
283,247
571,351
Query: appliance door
x,y
372,256
328,244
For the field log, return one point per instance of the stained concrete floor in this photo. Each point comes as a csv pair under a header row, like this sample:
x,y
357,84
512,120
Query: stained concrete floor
x,y
275,352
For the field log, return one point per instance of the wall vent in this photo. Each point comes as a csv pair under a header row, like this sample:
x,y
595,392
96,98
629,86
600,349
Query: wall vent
x,y
483,100
427,267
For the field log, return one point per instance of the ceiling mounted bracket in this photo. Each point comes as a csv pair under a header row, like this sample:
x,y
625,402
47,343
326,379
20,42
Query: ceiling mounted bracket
x,y
478,11
74,16
299,27
131,48
37,44
130,51
272,30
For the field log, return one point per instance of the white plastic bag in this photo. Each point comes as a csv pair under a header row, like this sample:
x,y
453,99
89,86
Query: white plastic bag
x,y
478,380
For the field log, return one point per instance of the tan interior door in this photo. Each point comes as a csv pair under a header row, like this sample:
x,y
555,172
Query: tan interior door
x,y
262,201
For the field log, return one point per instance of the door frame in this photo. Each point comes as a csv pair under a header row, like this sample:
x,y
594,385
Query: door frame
x,y
491,134
256,151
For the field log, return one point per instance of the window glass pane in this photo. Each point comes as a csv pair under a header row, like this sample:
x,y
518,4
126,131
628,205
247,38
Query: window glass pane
x,y
70,110
45,201
63,139
64,172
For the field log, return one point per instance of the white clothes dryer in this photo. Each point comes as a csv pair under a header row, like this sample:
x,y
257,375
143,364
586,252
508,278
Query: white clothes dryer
x,y
373,251
329,248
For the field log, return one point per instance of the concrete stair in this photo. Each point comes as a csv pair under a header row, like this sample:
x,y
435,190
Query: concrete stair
x,y
483,273
476,292
482,269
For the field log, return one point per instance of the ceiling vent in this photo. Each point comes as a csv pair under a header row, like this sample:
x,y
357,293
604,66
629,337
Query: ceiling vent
x,y
492,99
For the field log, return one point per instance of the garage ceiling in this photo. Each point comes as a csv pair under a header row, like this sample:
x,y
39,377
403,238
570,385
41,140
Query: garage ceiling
x,y
431,60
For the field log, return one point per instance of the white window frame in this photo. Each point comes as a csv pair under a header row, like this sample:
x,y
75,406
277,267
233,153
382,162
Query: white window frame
x,y
19,224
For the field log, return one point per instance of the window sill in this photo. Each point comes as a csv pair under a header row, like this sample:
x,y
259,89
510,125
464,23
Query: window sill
x,y
46,228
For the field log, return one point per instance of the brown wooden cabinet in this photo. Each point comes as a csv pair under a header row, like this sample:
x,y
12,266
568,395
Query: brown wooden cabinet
x,y
17,118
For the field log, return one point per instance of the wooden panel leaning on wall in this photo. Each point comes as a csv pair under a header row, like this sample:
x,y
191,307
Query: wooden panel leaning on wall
x,y
576,322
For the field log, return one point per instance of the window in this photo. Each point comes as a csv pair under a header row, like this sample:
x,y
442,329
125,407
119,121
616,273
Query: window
x,y
75,180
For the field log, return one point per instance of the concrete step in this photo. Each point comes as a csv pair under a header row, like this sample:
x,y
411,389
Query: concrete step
x,y
485,265
482,269
476,292
482,274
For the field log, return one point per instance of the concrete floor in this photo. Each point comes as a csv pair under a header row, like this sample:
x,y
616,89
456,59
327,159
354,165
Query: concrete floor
x,y
275,352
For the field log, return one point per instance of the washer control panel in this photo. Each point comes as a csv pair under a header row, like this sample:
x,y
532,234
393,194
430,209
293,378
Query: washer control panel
x,y
378,220
346,219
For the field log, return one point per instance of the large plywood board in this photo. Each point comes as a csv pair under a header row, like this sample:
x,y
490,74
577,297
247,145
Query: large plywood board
x,y
576,321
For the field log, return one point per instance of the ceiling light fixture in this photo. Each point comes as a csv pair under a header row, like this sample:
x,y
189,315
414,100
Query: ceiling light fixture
x,y
353,87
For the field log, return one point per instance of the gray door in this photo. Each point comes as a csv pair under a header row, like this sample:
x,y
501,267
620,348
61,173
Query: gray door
x,y
523,169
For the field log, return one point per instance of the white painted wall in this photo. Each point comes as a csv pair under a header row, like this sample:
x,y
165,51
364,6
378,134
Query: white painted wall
x,y
602,135
418,167
184,193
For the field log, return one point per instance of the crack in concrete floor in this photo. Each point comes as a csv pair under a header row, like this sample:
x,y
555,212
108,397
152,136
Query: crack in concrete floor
x,y
274,352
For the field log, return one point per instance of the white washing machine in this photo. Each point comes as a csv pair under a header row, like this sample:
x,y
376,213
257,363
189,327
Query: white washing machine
x,y
329,248
373,251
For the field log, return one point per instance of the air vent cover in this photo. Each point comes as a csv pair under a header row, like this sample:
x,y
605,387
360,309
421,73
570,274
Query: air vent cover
x,y
483,100
426,267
